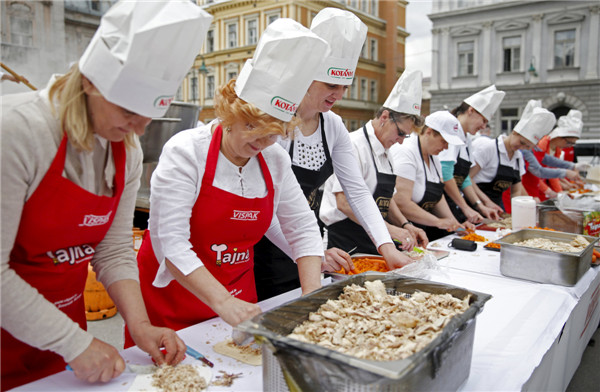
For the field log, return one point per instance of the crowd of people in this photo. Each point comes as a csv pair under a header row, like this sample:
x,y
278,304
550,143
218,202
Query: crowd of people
x,y
255,203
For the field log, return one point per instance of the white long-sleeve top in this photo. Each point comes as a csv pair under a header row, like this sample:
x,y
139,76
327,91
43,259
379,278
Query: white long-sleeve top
x,y
329,212
484,154
348,173
176,184
31,134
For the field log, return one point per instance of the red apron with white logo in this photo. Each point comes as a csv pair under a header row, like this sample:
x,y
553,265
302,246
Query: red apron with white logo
x,y
223,230
60,226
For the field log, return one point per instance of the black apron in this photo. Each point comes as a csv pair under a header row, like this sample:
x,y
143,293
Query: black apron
x,y
505,177
461,171
347,234
274,272
431,197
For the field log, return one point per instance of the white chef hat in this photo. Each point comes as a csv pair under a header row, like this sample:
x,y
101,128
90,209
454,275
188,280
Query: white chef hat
x,y
535,122
486,101
569,125
345,34
282,68
406,94
447,125
142,51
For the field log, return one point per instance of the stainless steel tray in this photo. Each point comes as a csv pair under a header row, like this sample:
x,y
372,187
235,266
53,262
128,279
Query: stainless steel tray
x,y
443,364
544,266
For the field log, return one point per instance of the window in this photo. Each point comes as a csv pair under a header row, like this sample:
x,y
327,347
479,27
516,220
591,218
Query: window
x,y
364,5
21,25
373,92
231,75
210,41
363,50
508,119
512,54
194,88
232,35
374,9
251,31
363,89
210,86
95,5
465,58
373,49
353,3
272,18
354,89
353,125
564,48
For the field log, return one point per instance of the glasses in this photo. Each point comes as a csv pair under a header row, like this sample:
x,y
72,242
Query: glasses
x,y
401,133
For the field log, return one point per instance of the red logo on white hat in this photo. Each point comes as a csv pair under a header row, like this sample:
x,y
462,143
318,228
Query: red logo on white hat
x,y
340,73
163,101
416,106
456,127
284,105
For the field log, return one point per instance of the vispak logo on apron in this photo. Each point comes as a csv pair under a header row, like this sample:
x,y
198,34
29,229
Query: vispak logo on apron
x,y
233,257
245,215
95,220
72,255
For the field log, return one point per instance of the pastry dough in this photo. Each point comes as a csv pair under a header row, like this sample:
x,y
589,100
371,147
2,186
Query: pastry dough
x,y
245,354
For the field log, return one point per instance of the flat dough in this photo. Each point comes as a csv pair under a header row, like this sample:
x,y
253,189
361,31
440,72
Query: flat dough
x,y
239,353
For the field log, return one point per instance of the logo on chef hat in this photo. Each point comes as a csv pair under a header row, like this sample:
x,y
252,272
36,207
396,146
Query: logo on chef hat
x,y
163,101
284,105
416,106
340,73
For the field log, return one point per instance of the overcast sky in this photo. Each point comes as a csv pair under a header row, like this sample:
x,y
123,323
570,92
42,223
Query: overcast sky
x,y
418,44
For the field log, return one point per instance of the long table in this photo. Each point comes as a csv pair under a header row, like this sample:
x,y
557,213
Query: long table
x,y
529,336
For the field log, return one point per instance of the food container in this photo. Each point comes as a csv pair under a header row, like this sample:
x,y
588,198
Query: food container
x,y
443,364
544,266
567,220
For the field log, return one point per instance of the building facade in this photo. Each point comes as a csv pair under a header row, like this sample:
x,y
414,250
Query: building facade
x,y
535,49
238,24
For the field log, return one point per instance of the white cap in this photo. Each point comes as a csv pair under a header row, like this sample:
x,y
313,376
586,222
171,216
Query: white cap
x,y
142,51
447,125
569,125
406,94
283,66
486,101
535,122
345,34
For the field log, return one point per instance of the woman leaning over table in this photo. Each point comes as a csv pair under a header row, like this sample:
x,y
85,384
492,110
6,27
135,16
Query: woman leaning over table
x,y
320,146
419,186
499,163
71,166
217,188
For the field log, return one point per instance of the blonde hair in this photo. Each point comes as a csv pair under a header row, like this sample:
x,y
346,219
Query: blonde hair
x,y
230,109
72,110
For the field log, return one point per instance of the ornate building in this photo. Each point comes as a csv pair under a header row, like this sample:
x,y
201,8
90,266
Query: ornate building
x,y
535,49
238,24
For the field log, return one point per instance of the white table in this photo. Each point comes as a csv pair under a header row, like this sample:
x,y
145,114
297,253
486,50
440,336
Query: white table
x,y
529,335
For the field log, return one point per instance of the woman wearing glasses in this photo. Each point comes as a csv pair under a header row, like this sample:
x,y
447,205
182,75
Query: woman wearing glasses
x,y
394,122
545,162
499,162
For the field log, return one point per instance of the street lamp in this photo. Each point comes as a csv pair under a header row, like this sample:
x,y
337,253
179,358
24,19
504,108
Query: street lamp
x,y
531,69
203,70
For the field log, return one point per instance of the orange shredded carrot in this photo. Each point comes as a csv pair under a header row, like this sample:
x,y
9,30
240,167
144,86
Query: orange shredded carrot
x,y
541,228
493,245
474,237
362,264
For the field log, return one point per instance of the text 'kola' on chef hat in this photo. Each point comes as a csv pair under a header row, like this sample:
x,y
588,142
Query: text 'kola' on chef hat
x,y
535,122
406,95
346,35
569,125
282,68
142,50
486,101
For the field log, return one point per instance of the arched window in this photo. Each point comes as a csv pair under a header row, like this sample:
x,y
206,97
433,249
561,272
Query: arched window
x,y
21,24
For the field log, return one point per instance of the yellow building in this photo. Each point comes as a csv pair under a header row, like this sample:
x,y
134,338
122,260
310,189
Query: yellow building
x,y
237,25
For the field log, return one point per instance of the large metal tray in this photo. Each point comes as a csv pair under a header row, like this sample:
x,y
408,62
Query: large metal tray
x,y
444,364
544,266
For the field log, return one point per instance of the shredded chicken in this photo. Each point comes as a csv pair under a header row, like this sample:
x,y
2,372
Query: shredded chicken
x,y
505,223
575,246
180,378
225,379
367,322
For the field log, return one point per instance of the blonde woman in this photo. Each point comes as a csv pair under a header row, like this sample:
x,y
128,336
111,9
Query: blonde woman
x,y
71,166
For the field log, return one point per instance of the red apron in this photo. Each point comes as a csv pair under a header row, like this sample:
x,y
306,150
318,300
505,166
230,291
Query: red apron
x,y
223,230
61,225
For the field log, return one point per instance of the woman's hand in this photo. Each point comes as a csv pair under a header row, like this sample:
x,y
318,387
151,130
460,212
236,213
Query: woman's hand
x,y
449,224
573,175
99,362
494,207
151,339
404,236
488,212
472,215
550,194
419,234
393,257
468,225
336,259
234,310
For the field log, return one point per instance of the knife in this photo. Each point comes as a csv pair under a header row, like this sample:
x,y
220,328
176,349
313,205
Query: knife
x,y
193,353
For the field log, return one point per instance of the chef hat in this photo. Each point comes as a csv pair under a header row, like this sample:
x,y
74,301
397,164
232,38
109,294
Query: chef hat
x,y
142,51
447,125
535,122
569,125
486,101
282,68
406,94
345,34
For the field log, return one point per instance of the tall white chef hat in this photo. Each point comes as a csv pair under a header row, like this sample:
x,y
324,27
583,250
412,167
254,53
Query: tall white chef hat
x,y
345,34
142,51
406,94
447,125
569,125
486,101
282,68
535,122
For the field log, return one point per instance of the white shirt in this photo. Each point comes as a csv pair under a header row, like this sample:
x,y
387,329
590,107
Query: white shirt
x,y
453,151
176,184
408,164
485,155
345,166
329,212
